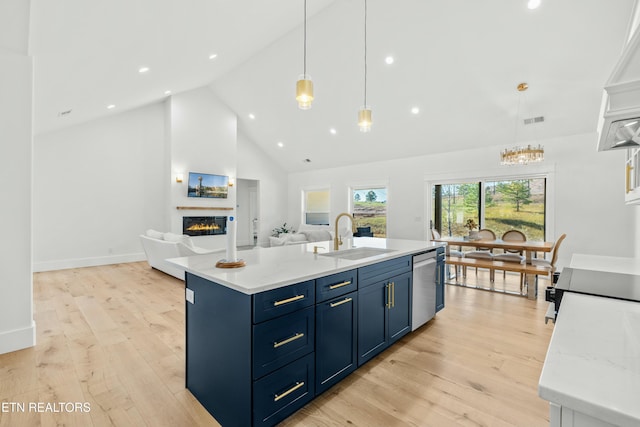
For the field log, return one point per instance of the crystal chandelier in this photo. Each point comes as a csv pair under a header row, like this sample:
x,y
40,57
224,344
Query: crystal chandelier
x,y
521,155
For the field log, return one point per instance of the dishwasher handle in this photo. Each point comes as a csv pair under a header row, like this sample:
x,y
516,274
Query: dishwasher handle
x,y
424,263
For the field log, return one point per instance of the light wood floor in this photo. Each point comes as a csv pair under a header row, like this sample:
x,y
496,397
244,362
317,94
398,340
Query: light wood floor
x,y
113,337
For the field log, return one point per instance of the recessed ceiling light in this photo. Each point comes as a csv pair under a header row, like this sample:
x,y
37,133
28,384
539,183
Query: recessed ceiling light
x,y
111,106
533,4
167,92
307,160
389,60
280,144
415,110
333,131
143,70
213,56
252,116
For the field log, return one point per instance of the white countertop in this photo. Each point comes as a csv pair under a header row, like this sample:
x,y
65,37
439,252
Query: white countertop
x,y
593,361
606,263
270,268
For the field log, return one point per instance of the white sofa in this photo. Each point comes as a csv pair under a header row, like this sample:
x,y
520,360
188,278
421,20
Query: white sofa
x,y
159,246
308,233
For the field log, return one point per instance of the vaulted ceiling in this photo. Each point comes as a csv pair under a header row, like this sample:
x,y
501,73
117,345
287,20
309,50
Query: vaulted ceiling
x,y
458,61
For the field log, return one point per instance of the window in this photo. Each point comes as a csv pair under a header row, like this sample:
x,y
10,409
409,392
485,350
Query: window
x,y
316,207
369,209
509,204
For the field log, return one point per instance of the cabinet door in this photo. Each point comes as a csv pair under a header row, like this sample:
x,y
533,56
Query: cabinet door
x,y
400,311
336,339
372,320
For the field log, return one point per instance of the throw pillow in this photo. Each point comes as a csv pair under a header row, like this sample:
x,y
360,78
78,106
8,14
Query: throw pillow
x,y
317,235
155,234
276,241
172,237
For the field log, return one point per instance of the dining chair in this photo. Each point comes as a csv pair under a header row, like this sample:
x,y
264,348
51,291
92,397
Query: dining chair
x,y
554,257
483,253
512,255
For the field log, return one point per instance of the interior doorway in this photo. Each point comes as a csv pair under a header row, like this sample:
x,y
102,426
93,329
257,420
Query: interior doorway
x,y
247,212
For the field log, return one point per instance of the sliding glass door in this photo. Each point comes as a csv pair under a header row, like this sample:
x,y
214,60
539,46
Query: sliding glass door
x,y
453,205
499,205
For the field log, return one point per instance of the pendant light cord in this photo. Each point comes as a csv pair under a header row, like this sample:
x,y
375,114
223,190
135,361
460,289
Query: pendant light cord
x,y
365,53
304,54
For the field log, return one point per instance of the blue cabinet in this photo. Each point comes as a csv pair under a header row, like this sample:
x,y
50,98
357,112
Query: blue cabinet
x,y
384,309
336,340
253,360
440,269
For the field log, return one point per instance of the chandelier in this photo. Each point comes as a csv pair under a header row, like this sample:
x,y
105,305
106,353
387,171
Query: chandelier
x,y
521,155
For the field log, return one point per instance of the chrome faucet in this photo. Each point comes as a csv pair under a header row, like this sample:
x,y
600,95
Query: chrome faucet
x,y
337,240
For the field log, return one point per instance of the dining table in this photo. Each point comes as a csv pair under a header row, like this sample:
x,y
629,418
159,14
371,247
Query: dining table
x,y
529,248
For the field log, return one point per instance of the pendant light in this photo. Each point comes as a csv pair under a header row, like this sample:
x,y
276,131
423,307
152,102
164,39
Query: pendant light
x,y
364,115
521,155
304,86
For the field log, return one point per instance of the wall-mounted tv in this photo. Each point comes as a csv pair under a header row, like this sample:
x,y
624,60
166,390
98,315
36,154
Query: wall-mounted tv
x,y
208,185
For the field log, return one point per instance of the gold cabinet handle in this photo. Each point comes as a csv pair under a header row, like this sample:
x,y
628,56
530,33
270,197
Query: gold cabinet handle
x,y
288,340
288,300
335,304
388,287
628,184
288,392
393,294
339,285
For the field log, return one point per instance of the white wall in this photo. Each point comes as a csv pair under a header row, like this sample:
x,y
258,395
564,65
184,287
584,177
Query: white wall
x,y
253,163
17,328
202,139
97,186
586,197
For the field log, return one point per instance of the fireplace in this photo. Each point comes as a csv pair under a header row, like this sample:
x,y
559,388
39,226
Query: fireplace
x,y
204,225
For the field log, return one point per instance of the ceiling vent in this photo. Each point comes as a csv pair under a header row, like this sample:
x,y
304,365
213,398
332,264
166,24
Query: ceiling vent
x,y
533,120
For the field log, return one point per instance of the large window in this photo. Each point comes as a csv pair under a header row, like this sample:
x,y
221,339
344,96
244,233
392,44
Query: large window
x,y
316,207
369,209
499,205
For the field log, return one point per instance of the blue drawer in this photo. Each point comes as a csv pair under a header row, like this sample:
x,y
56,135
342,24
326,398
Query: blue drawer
x,y
383,270
282,340
283,392
335,285
281,301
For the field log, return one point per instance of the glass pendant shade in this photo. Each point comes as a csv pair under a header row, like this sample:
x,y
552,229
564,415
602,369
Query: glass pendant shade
x,y
364,119
304,92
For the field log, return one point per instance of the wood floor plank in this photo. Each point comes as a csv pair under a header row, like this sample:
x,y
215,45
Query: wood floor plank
x,y
114,337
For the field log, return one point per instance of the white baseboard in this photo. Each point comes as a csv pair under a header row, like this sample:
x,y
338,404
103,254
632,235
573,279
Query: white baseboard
x,y
18,339
86,262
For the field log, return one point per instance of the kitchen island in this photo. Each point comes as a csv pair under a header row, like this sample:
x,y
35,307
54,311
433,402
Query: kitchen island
x,y
263,340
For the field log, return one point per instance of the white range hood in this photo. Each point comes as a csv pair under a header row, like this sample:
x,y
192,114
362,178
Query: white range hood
x,y
621,126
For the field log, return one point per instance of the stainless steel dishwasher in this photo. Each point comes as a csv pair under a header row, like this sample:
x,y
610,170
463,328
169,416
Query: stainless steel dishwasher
x,y
424,288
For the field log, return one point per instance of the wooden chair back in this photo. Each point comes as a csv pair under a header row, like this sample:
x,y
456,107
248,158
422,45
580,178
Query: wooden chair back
x,y
486,234
514,236
554,257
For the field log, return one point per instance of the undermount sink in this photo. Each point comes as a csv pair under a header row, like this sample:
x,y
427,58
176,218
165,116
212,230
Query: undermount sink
x,y
358,253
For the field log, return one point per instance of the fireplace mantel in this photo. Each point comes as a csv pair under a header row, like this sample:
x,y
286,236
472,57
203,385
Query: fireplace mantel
x,y
203,208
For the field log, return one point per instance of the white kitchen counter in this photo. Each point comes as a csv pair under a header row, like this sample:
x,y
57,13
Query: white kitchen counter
x,y
606,263
270,268
593,361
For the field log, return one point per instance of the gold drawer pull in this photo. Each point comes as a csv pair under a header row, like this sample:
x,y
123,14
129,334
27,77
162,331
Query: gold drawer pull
x,y
288,392
285,301
335,304
339,285
388,288
628,184
288,340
